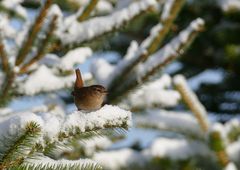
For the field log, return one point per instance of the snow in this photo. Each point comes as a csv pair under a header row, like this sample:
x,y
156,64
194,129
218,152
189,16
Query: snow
x,y
38,82
155,93
80,32
175,149
6,29
212,76
153,34
118,159
73,57
97,142
233,150
51,124
104,6
170,121
230,166
167,9
229,5
106,116
131,51
180,82
232,124
15,6
101,71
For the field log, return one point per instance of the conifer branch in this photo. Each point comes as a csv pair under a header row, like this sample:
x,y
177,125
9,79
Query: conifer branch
x,y
160,59
87,10
192,102
151,43
34,30
86,33
4,56
44,46
18,148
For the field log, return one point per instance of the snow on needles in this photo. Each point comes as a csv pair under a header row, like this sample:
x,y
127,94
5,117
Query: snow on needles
x,y
176,149
80,32
171,48
76,56
174,121
107,116
51,125
38,82
155,93
118,159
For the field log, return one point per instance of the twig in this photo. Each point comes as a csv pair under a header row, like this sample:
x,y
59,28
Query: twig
x,y
3,56
87,10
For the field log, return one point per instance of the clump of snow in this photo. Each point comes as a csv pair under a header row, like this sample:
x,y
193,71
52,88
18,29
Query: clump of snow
x,y
118,159
14,124
102,71
6,29
175,149
230,166
104,6
76,56
132,50
106,116
231,125
233,150
229,5
38,82
174,121
94,143
167,9
154,93
15,6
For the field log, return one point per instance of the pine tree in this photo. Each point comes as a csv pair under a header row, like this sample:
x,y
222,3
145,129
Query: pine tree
x,y
39,59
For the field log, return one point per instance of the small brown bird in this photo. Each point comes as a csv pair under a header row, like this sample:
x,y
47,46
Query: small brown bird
x,y
88,98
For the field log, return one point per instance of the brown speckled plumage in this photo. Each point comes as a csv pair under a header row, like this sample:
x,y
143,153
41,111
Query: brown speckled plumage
x,y
90,97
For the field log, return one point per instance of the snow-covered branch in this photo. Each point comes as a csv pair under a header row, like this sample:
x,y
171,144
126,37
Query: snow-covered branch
x,y
55,129
155,93
192,101
179,122
161,58
78,33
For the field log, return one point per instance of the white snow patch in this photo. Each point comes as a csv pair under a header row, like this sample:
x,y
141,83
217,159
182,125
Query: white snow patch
x,y
155,93
167,120
118,159
175,149
107,115
76,56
